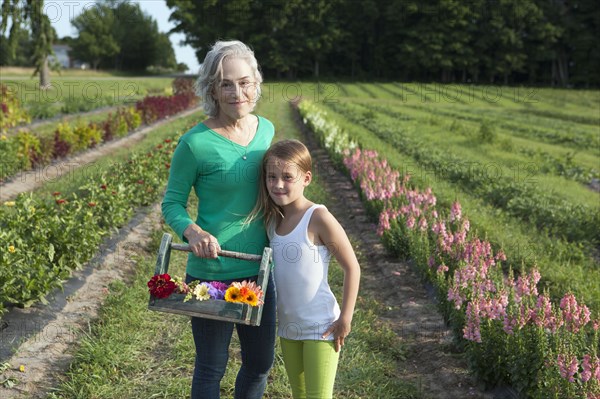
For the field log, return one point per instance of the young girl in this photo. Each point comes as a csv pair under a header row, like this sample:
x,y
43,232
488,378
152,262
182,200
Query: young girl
x,y
303,235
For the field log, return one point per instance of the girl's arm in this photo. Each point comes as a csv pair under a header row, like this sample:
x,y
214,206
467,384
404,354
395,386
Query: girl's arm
x,y
331,234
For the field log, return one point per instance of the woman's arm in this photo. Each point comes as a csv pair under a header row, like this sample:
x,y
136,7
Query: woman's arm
x,y
182,177
332,234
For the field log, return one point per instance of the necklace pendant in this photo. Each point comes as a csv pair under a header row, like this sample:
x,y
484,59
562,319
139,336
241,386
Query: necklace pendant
x,y
244,157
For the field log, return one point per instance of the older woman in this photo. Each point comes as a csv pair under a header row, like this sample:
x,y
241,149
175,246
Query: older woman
x,y
220,159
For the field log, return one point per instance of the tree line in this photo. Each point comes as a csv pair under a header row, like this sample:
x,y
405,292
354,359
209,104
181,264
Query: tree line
x,y
550,42
113,34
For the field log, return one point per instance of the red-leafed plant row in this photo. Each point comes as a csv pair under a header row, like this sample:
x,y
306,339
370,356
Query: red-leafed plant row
x,y
25,150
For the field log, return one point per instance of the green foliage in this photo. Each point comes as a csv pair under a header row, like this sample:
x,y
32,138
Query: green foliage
x,y
119,35
11,111
46,239
28,149
42,110
74,105
442,40
487,132
95,41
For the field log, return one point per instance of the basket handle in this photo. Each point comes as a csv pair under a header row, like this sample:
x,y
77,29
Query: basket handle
x,y
225,253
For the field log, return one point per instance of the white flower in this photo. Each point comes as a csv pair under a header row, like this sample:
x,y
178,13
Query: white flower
x,y
201,292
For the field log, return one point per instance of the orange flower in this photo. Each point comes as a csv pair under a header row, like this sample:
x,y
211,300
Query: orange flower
x,y
251,299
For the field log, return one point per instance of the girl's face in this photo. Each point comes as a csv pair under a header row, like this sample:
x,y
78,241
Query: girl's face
x,y
236,93
285,181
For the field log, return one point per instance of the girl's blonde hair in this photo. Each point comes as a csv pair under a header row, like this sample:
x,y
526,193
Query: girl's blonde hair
x,y
291,152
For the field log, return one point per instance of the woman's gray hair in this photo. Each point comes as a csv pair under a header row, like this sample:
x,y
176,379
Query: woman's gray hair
x,y
212,68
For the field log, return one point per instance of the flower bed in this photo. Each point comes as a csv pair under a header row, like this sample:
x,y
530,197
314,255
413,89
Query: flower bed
x,y
11,111
45,239
26,150
513,335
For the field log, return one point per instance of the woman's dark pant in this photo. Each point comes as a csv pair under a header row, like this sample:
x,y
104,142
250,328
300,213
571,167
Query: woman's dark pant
x,y
212,338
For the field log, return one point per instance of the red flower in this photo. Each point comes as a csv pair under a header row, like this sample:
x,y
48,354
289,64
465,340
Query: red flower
x,y
167,165
168,140
140,182
56,193
103,187
61,201
114,193
161,286
159,146
92,204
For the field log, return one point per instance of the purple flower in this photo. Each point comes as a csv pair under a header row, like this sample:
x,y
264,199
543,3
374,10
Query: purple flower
x,y
216,289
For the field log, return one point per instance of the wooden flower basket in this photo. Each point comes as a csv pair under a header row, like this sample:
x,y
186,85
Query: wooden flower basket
x,y
212,308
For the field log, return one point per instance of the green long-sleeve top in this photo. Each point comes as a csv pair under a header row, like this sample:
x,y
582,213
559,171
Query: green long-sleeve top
x,y
227,188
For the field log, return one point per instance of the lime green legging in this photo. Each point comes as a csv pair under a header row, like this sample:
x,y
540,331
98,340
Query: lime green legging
x,y
311,367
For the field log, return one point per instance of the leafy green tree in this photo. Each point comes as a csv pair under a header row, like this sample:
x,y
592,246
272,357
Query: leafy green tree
x,y
120,35
19,12
138,37
442,40
95,42
21,53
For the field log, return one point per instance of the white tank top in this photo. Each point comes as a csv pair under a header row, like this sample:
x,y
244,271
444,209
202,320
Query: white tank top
x,y
306,307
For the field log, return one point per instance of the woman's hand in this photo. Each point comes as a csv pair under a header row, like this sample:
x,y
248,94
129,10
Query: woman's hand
x,y
202,243
340,330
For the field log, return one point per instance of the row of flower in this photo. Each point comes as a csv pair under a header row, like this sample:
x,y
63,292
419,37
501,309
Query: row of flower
x,y
45,238
25,149
518,197
512,334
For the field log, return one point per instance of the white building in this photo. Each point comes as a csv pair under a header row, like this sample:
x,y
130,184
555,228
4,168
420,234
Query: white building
x,y
61,56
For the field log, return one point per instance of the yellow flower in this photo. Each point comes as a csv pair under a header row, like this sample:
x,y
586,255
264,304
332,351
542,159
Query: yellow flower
x,y
11,249
32,209
22,368
233,294
4,137
9,203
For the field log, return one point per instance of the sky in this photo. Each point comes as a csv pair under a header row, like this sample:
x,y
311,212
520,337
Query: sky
x,y
61,12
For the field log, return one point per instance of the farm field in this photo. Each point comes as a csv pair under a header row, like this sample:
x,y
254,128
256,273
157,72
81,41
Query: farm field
x,y
72,93
522,162
522,166
501,218
99,195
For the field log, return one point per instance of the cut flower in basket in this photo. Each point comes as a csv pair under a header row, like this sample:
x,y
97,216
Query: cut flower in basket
x,y
162,286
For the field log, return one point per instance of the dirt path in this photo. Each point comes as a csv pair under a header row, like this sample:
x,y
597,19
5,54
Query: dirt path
x,y
431,363
31,179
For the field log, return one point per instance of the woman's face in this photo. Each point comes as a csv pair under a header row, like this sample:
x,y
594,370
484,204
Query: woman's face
x,y
236,93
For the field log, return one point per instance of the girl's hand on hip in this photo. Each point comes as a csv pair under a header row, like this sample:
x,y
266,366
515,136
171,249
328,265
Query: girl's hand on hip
x,y
202,243
340,330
